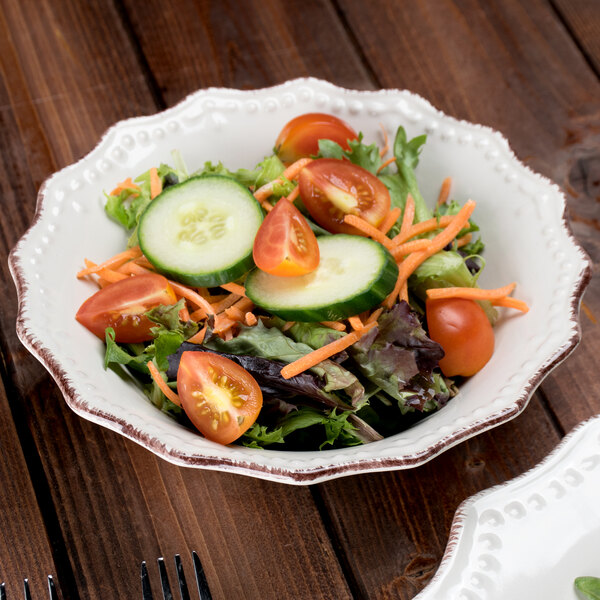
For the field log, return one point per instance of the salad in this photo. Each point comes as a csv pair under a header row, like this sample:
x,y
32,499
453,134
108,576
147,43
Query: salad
x,y
314,301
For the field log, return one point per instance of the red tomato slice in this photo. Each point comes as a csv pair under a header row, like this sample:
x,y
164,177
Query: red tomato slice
x,y
122,305
331,189
284,244
300,137
220,398
463,330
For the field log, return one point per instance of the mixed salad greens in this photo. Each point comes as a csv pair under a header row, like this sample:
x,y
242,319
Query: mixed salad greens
x,y
294,305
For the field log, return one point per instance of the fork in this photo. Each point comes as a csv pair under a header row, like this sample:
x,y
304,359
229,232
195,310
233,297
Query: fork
x,y
51,589
201,583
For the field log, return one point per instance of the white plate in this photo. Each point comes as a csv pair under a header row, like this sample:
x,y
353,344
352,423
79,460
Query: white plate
x,y
521,215
531,537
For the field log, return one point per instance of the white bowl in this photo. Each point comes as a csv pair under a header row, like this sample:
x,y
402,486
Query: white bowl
x,y
532,536
521,215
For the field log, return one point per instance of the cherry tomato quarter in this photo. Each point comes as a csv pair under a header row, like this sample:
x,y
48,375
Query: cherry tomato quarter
x,y
300,137
219,396
332,189
463,330
121,305
285,244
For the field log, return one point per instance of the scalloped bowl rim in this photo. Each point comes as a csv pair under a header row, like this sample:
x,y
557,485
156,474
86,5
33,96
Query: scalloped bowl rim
x,y
310,467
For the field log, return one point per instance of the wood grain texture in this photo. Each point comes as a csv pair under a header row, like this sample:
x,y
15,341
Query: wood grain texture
x,y
68,75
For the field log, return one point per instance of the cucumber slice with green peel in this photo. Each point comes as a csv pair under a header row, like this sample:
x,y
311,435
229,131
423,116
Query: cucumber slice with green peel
x,y
201,232
354,274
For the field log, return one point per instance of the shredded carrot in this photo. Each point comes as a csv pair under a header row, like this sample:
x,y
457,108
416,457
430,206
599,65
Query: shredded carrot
x,y
471,293
251,319
198,315
132,268
198,338
267,205
224,304
386,142
112,263
445,191
423,227
355,323
228,335
464,240
316,356
288,325
244,304
126,184
294,194
160,382
234,313
390,219
194,297
112,276
374,315
408,247
290,173
155,183
144,262
234,288
223,324
334,325
409,215
512,303
413,260
389,161
368,229
404,292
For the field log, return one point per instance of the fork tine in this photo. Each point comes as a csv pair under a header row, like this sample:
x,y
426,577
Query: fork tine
x,y
183,588
146,591
52,588
2,592
164,580
26,589
203,589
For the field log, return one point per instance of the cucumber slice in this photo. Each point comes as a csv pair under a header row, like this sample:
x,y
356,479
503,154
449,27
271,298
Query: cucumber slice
x,y
354,274
200,232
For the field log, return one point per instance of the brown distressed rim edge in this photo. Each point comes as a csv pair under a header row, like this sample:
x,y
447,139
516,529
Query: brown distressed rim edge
x,y
292,475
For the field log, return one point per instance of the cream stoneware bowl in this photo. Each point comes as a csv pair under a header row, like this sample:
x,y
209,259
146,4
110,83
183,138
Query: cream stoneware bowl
x,y
521,215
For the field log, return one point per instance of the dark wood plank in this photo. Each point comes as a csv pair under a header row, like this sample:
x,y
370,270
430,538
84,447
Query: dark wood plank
x,y
70,73
582,19
24,545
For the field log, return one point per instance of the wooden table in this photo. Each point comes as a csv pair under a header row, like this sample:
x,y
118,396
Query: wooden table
x,y
87,505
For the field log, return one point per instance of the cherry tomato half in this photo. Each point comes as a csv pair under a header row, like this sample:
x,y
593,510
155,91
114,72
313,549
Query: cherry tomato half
x,y
463,330
284,244
331,189
220,398
122,305
300,137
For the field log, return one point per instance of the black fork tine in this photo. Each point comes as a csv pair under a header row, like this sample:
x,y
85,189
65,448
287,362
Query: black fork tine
x,y
26,589
2,591
164,580
146,591
183,588
52,588
203,589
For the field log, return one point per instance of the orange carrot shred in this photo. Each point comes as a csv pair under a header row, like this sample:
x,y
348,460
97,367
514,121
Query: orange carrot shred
x,y
383,165
386,142
234,288
408,217
512,303
368,229
412,261
288,325
192,296
334,325
316,356
234,313
375,315
198,338
294,194
445,191
126,184
116,261
404,292
155,183
160,382
464,240
413,246
132,268
251,319
224,304
355,323
198,315
471,293
184,314
290,173
112,276
390,219
423,227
